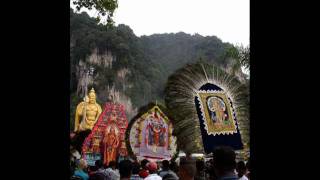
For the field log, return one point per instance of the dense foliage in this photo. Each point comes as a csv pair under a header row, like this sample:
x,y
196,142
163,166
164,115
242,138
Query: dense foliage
x,y
104,7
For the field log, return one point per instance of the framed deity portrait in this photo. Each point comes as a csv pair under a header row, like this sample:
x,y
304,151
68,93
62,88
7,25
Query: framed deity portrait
x,y
217,112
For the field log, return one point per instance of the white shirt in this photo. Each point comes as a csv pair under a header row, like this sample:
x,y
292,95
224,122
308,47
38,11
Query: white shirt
x,y
243,178
153,177
112,174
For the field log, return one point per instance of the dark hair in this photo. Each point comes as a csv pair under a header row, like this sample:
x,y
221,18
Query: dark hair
x,y
248,165
174,166
97,176
200,165
241,168
112,164
125,168
92,168
144,163
165,164
135,168
189,166
98,164
224,159
241,165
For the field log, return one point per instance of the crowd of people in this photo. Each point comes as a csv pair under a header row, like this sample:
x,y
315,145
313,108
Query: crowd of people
x,y
222,166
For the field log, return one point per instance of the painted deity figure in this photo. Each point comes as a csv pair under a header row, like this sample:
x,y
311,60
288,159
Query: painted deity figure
x,y
156,131
113,117
87,113
217,110
96,145
111,143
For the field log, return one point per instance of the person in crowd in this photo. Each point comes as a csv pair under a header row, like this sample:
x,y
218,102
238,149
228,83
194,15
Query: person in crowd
x,y
200,174
144,171
248,169
169,177
174,167
75,155
125,169
135,171
72,168
166,170
153,168
111,172
99,166
241,170
187,168
97,176
224,163
99,173
211,172
91,170
81,171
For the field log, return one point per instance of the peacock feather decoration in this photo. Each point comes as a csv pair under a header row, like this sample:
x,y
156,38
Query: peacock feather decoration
x,y
180,93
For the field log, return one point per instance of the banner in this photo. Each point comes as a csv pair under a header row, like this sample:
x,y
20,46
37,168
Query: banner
x,y
217,118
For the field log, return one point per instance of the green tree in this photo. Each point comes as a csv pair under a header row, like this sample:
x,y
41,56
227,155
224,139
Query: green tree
x,y
104,7
244,56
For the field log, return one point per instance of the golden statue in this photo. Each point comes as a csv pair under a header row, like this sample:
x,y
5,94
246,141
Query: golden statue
x,y
87,112
111,143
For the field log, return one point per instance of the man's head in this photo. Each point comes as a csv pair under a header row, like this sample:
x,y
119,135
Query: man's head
x,y
152,167
144,163
135,168
174,166
125,168
98,164
200,165
165,164
241,168
187,168
112,164
224,160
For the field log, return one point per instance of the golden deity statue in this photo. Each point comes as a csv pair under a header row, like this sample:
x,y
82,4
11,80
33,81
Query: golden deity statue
x,y
87,113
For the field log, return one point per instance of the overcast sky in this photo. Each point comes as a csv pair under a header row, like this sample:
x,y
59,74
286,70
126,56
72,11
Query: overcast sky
x,y
226,19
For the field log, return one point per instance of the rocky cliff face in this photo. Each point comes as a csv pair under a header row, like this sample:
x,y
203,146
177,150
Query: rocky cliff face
x,y
105,59
105,92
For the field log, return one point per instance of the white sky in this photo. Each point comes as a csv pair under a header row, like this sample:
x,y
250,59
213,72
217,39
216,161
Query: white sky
x,y
227,19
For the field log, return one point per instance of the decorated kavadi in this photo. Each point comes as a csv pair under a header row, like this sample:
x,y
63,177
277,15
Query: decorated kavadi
x,y
149,135
106,142
208,104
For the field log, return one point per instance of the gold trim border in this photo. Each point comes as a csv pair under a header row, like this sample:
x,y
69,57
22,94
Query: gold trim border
x,y
232,128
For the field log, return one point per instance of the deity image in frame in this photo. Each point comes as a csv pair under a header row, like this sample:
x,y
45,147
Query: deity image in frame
x,y
217,112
